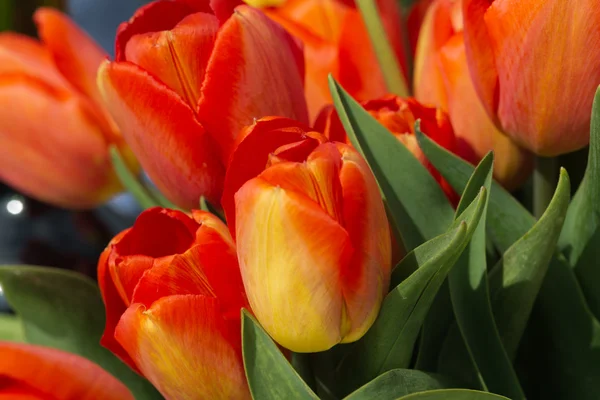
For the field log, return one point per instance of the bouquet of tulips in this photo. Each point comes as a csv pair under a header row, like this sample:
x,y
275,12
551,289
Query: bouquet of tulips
x,y
312,231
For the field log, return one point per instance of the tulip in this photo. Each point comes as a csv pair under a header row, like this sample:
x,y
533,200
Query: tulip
x,y
187,78
536,66
34,372
173,293
336,42
442,79
312,235
399,115
54,132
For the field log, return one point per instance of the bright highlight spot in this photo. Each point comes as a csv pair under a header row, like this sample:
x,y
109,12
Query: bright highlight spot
x,y
14,207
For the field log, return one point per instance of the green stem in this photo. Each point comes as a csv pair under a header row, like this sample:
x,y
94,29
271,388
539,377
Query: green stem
x,y
392,73
545,177
130,181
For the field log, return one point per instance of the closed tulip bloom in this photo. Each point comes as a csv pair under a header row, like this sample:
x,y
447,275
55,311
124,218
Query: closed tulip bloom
x,y
32,372
187,78
536,67
399,115
442,79
173,294
312,236
336,42
54,131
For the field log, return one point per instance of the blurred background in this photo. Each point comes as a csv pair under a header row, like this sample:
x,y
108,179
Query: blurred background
x,y
35,233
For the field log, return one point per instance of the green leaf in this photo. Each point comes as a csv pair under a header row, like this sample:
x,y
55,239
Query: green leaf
x,y
270,375
64,310
389,342
453,394
416,203
471,302
11,328
580,238
206,206
517,278
129,180
400,382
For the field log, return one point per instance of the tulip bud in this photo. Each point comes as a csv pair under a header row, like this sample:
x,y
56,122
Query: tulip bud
x,y
312,235
172,290
187,78
442,79
54,131
536,66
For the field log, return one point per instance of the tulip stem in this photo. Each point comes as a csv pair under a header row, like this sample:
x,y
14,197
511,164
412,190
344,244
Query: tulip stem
x,y
545,177
392,73
129,180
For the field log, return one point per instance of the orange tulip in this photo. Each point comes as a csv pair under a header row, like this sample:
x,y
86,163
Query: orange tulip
x,y
54,132
29,372
442,79
536,67
187,78
312,235
398,115
173,294
336,41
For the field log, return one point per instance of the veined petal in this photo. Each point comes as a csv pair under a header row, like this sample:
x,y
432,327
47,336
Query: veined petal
x,y
170,143
76,55
249,77
185,348
290,254
55,374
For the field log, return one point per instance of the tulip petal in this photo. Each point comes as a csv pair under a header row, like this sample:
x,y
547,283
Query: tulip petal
x,y
51,146
290,253
151,116
249,77
76,55
49,373
178,57
185,348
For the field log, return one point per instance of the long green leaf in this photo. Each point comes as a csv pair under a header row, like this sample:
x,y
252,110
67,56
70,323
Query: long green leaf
x,y
453,394
11,328
471,302
64,310
418,207
400,382
389,343
270,375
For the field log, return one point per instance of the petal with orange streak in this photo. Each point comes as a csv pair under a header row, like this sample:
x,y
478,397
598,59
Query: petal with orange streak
x,y
76,55
185,348
178,57
170,143
50,148
56,374
547,115
472,125
291,254
249,77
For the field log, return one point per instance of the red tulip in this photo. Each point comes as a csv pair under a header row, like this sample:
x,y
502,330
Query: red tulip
x,y
442,79
31,372
536,66
188,76
173,293
54,131
398,115
336,42
311,232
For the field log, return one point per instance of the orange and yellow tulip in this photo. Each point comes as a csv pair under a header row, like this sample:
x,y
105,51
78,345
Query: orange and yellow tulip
x,y
173,293
187,78
536,66
399,115
312,235
54,131
31,372
336,42
442,79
